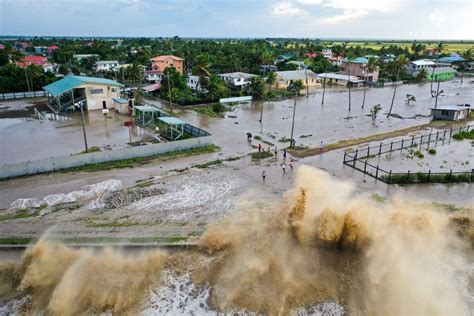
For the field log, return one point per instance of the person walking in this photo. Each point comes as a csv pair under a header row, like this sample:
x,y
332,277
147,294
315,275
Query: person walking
x,y
291,165
284,154
259,148
264,174
283,166
276,151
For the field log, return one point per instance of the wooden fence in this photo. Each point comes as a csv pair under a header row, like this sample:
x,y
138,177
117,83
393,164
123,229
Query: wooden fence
x,y
358,160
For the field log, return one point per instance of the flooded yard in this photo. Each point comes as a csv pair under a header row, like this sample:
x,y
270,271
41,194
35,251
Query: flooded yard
x,y
24,137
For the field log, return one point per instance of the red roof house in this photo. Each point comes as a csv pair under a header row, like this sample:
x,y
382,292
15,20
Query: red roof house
x,y
52,48
32,60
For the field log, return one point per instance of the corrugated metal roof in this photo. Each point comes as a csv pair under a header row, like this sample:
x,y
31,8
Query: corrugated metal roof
x,y
70,82
295,74
171,120
450,59
452,107
423,62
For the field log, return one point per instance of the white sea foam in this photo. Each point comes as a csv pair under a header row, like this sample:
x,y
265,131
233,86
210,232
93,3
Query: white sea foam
x,y
94,192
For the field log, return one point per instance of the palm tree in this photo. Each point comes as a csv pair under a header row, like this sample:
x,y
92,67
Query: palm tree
x,y
370,67
202,70
440,47
271,79
134,72
468,56
400,64
296,86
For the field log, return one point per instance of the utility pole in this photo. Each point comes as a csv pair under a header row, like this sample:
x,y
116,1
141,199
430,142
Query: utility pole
x,y
169,91
307,87
324,88
27,81
293,121
437,94
81,104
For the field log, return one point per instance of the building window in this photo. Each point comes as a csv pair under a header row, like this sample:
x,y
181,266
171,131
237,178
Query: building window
x,y
444,113
97,91
114,89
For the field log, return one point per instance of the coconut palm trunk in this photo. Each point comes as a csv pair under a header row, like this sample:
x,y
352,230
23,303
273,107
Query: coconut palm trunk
x,y
394,92
365,89
349,83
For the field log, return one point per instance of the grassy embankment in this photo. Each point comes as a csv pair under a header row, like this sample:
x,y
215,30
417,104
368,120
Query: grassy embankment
x,y
133,162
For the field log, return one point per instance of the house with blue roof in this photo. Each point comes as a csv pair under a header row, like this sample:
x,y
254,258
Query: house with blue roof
x,y
451,59
94,93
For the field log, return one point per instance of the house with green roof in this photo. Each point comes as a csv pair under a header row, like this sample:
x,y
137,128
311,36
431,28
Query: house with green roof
x,y
94,93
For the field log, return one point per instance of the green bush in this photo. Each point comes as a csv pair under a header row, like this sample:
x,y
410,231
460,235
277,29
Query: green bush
x,y
432,151
218,107
419,154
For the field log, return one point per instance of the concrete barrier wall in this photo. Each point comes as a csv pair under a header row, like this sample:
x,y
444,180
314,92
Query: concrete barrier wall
x,y
58,163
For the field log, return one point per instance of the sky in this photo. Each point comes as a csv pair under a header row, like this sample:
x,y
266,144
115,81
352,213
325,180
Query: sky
x,y
368,19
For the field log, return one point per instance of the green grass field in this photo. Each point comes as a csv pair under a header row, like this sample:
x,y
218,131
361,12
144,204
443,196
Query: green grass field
x,y
449,47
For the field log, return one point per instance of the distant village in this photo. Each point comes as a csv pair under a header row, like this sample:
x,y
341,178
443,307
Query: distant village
x,y
193,73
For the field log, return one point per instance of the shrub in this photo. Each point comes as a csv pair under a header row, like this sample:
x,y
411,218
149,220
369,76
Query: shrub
x,y
419,154
432,151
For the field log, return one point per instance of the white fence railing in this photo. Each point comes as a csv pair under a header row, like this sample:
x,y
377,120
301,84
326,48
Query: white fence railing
x,y
58,163
22,95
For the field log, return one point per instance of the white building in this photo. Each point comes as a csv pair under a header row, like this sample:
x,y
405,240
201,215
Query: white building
x,y
106,65
416,66
327,52
194,83
153,76
339,79
237,79
80,57
96,93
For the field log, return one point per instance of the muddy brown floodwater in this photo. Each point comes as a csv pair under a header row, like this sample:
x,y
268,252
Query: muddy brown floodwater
x,y
322,248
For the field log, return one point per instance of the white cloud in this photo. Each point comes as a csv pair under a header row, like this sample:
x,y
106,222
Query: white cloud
x,y
352,10
287,8
309,2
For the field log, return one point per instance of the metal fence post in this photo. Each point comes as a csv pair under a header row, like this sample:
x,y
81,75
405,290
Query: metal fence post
x,y
437,136
421,140
355,157
412,141
408,176
429,140
429,175
391,145
368,151
401,147
365,167
377,173
380,149
345,154
450,133
390,176
444,135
